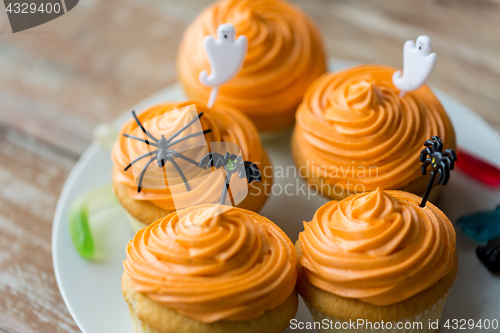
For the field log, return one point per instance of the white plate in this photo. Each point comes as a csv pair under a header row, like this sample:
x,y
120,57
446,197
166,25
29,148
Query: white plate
x,y
91,290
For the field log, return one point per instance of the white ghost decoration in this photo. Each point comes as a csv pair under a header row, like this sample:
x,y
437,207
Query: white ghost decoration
x,y
225,55
417,65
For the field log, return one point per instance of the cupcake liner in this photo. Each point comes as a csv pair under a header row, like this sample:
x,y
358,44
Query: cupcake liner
x,y
333,324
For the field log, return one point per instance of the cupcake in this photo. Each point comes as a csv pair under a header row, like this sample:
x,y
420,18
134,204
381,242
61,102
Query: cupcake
x,y
354,133
234,272
285,54
377,257
150,204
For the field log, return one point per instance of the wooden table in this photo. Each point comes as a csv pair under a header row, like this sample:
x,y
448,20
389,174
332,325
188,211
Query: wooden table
x,y
59,80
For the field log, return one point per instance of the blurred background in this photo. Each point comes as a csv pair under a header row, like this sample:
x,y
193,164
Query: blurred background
x,y
59,80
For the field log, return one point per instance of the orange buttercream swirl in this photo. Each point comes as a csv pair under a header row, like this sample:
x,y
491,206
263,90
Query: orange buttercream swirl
x,y
354,128
285,54
379,247
227,125
234,266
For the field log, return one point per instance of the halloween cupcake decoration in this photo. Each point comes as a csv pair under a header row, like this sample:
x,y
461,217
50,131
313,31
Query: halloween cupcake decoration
x,y
156,160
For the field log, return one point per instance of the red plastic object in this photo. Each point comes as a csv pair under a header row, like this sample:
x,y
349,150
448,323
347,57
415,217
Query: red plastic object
x,y
478,169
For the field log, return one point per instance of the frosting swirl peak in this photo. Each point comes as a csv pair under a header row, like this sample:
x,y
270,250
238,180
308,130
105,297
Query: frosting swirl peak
x,y
379,247
233,266
285,54
362,96
355,119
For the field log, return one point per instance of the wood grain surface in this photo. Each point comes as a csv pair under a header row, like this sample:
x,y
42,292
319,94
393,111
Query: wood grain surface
x,y
58,80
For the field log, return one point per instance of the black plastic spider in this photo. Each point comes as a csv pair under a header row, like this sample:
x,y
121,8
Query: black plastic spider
x,y
490,255
163,151
441,162
232,164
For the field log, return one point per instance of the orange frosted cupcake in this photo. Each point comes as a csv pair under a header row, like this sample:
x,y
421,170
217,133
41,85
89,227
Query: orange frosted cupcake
x,y
150,204
376,257
285,54
354,133
234,272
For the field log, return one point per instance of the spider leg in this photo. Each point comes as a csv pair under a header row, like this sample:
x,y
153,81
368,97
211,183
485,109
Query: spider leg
x,y
185,158
242,172
438,144
446,174
448,162
429,143
176,166
440,178
225,189
429,151
451,153
423,154
452,156
141,177
144,129
425,165
230,195
139,139
170,144
139,158
183,128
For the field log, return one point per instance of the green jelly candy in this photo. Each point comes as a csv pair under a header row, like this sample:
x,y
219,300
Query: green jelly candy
x,y
79,229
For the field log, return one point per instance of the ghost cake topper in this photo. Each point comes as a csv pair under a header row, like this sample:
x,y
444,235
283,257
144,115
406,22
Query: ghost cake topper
x,y
231,164
440,161
418,64
225,55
